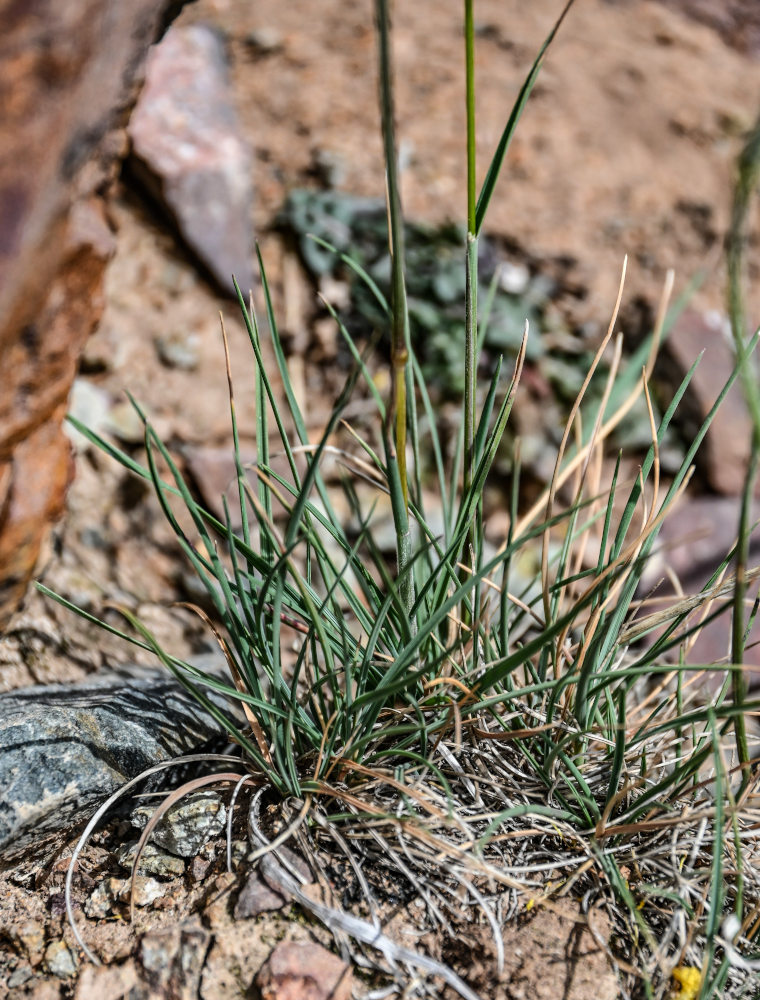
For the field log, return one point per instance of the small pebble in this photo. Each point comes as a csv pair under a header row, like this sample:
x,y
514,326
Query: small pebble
x,y
257,896
542,287
240,850
330,167
513,278
60,960
31,936
199,868
179,350
264,40
22,975
124,423
174,278
188,825
153,861
147,890
90,405
100,903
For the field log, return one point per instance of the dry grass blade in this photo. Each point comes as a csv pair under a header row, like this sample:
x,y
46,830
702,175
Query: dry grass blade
x,y
527,519
161,810
238,681
245,779
121,793
641,626
574,411
338,920
282,838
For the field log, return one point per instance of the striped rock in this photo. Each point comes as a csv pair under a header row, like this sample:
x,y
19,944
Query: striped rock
x,y
64,750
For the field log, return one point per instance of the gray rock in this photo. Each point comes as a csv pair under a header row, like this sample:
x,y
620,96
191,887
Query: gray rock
x,y
153,861
188,150
64,750
179,349
22,975
60,959
188,825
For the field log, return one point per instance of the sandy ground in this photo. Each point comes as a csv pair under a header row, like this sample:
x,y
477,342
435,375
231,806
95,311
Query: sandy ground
x,y
627,147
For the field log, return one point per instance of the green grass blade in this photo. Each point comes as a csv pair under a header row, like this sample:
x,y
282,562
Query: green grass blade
x,y
497,161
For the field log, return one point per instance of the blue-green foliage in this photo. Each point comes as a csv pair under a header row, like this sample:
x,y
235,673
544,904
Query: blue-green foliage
x,y
435,280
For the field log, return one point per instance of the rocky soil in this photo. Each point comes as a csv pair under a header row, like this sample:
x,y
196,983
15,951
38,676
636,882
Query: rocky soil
x,y
626,147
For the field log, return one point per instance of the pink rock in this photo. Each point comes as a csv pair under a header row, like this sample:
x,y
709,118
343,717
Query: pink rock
x,y
257,897
188,150
213,471
692,543
725,451
304,971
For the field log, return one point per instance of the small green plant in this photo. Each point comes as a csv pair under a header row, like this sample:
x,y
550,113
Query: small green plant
x,y
509,733
435,280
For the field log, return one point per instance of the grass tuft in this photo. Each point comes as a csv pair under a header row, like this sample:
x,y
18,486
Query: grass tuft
x,y
479,735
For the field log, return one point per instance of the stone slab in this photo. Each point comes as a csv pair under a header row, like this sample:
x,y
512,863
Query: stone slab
x,y
64,750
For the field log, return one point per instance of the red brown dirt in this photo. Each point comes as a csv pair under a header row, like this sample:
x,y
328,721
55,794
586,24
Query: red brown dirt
x,y
627,146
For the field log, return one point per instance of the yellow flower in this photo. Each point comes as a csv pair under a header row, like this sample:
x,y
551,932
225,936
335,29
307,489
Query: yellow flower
x,y
689,978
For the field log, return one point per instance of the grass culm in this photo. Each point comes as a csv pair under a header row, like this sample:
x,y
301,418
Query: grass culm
x,y
487,741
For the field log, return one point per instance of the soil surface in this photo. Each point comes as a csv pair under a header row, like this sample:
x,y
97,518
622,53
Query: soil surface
x,y
627,147
201,931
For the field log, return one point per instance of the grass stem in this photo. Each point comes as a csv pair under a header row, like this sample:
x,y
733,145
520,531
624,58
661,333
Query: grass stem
x,y
471,300
395,432
748,174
